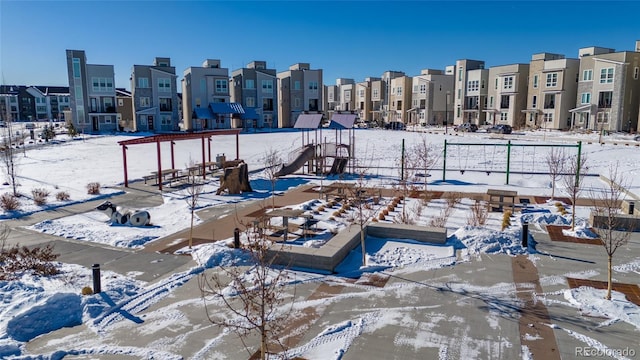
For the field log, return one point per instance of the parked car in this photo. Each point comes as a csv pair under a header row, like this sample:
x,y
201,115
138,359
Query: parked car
x,y
394,125
466,127
500,129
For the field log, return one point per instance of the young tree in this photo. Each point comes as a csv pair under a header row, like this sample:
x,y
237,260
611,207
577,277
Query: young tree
x,y
271,161
255,296
361,202
194,188
424,156
607,205
573,178
555,160
9,156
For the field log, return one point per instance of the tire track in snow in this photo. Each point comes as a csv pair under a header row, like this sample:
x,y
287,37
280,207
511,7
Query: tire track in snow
x,y
137,303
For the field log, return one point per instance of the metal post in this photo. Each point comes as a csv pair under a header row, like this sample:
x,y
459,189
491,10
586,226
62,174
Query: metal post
x,y
525,235
444,161
96,278
236,238
508,159
402,163
578,164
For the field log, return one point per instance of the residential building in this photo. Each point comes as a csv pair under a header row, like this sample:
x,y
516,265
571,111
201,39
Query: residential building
x,y
340,97
507,92
124,109
385,94
153,92
331,100
13,105
258,101
431,90
378,96
363,102
553,83
92,94
400,99
470,100
57,98
205,98
300,90
608,87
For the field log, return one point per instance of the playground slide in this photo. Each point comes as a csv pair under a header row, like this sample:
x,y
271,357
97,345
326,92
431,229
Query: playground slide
x,y
305,155
338,166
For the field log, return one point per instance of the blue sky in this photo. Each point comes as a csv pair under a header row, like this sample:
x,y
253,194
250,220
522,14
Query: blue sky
x,y
354,39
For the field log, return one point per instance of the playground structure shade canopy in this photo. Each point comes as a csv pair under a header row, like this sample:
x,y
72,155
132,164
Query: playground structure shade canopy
x,y
226,108
308,121
342,121
250,114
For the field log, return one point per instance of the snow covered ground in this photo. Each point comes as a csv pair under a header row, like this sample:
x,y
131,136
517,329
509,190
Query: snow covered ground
x,y
32,307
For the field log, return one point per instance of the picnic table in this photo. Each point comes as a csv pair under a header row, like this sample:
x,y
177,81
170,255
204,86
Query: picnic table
x,y
501,198
166,174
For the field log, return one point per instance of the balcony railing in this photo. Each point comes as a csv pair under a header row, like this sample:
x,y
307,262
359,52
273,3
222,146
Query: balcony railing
x,y
549,105
604,104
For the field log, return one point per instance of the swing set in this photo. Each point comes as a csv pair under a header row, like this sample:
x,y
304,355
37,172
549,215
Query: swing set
x,y
509,146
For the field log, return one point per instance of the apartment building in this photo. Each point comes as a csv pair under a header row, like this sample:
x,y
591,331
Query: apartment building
x,y
57,98
124,109
431,98
92,94
153,91
9,109
387,114
331,100
252,87
299,90
608,86
34,103
378,96
507,94
205,98
400,99
470,100
551,91
363,99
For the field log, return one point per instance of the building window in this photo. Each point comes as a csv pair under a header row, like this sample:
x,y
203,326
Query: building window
x,y
534,102
549,101
460,74
587,75
251,101
361,93
165,119
108,105
143,82
267,86
107,119
76,68
604,99
490,101
222,86
375,94
504,116
120,102
504,101
249,84
507,83
602,117
313,86
399,91
296,85
102,84
458,112
459,93
164,85
165,104
144,102
552,79
423,88
548,117
496,87
606,76
636,72
535,81
585,98
267,104
296,102
313,105
473,85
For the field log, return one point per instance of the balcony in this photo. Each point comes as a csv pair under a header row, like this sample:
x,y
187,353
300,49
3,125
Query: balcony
x,y
164,107
604,104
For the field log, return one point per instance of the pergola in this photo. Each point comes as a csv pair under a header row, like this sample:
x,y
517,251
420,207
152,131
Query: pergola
x,y
172,138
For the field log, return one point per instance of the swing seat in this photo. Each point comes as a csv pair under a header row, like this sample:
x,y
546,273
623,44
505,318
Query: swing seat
x,y
462,172
488,173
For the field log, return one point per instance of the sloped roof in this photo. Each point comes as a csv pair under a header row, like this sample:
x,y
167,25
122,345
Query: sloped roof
x,y
250,113
342,121
308,121
203,113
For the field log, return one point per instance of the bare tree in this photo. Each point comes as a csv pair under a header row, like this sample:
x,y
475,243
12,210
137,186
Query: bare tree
x,y
423,155
573,178
555,160
606,205
9,158
363,202
271,161
194,188
255,297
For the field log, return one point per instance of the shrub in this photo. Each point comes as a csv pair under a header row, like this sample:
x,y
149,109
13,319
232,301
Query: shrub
x,y
8,202
62,196
40,196
38,260
321,208
479,214
87,290
385,212
506,219
93,188
381,216
337,213
453,198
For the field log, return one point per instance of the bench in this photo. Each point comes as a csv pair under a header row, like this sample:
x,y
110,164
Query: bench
x,y
498,199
